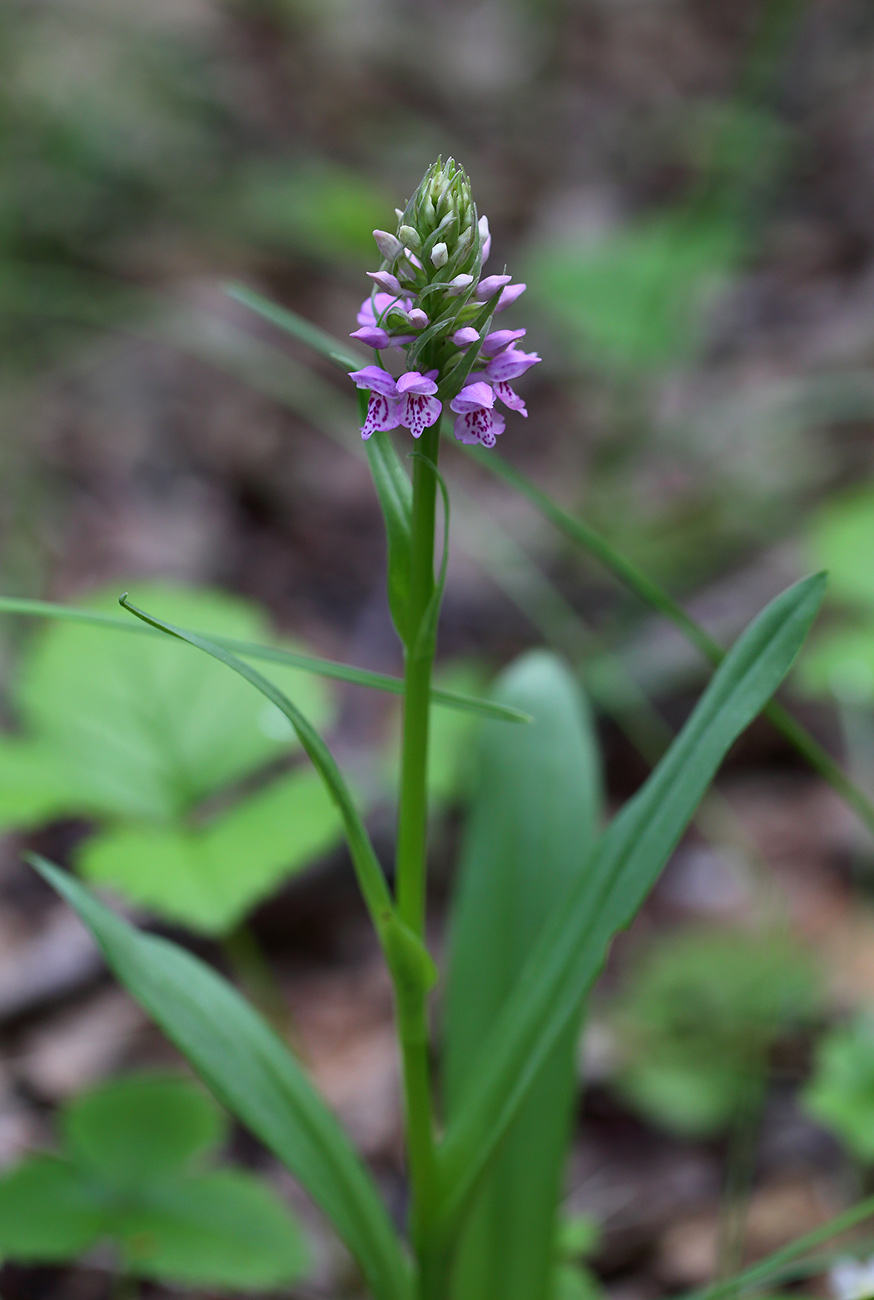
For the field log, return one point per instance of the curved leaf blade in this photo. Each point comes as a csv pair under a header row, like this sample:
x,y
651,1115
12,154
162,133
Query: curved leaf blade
x,y
251,1073
536,811
271,654
617,877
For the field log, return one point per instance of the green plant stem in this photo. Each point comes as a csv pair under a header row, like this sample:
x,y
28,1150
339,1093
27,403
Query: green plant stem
x,y
411,858
740,1170
413,803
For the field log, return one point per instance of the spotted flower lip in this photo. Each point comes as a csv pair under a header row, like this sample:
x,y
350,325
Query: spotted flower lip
x,y
508,365
475,419
383,406
418,408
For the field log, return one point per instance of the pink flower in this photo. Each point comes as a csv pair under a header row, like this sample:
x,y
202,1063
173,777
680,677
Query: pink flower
x,y
371,317
476,421
507,365
465,336
488,287
383,406
509,296
418,408
485,236
498,340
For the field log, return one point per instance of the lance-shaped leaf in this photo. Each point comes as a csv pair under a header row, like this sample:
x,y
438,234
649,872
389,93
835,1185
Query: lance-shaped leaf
x,y
249,1070
616,878
536,811
329,668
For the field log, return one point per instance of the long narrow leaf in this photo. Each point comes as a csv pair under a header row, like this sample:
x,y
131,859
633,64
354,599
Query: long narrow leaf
x,y
270,654
243,1062
370,877
616,879
289,321
536,812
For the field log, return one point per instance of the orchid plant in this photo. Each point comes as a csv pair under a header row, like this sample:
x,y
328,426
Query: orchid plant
x,y
542,886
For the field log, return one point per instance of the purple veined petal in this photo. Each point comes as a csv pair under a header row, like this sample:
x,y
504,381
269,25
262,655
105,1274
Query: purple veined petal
x,y
479,425
488,287
473,397
388,245
485,235
465,336
510,398
499,339
418,411
418,319
376,379
373,336
414,382
509,296
511,364
382,414
390,283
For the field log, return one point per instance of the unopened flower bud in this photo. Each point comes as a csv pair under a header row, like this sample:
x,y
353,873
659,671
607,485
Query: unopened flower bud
x,y
409,237
439,255
459,284
388,245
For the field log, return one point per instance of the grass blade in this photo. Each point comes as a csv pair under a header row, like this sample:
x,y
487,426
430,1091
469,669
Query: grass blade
x,y
298,327
536,811
250,1071
616,879
270,654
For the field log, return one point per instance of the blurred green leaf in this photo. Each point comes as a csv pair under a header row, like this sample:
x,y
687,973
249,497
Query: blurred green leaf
x,y
209,877
534,816
316,207
840,1094
138,1129
577,1237
243,1062
127,1175
569,1282
632,297
224,1229
841,540
144,729
701,1011
47,1212
395,492
840,662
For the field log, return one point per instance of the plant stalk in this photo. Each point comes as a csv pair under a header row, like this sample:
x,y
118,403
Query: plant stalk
x,y
411,857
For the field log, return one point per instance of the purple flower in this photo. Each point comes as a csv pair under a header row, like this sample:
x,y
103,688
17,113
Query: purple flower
x,y
488,287
509,296
418,408
371,318
476,421
464,337
388,282
510,365
383,406
498,340
418,319
373,309
389,245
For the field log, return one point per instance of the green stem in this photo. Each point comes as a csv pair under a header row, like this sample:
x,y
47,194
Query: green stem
x,y
413,805
253,970
412,836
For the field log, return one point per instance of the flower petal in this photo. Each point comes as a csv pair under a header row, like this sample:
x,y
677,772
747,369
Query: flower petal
x,y
511,364
510,398
372,335
419,411
414,382
498,340
509,296
488,287
473,397
376,379
390,283
465,336
382,413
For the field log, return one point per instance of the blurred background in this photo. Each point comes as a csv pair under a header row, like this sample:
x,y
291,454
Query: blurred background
x,y
687,188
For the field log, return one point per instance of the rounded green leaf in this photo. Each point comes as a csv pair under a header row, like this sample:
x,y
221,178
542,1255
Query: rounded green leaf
x,y
136,1130
841,1093
223,1229
209,877
47,1212
146,728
